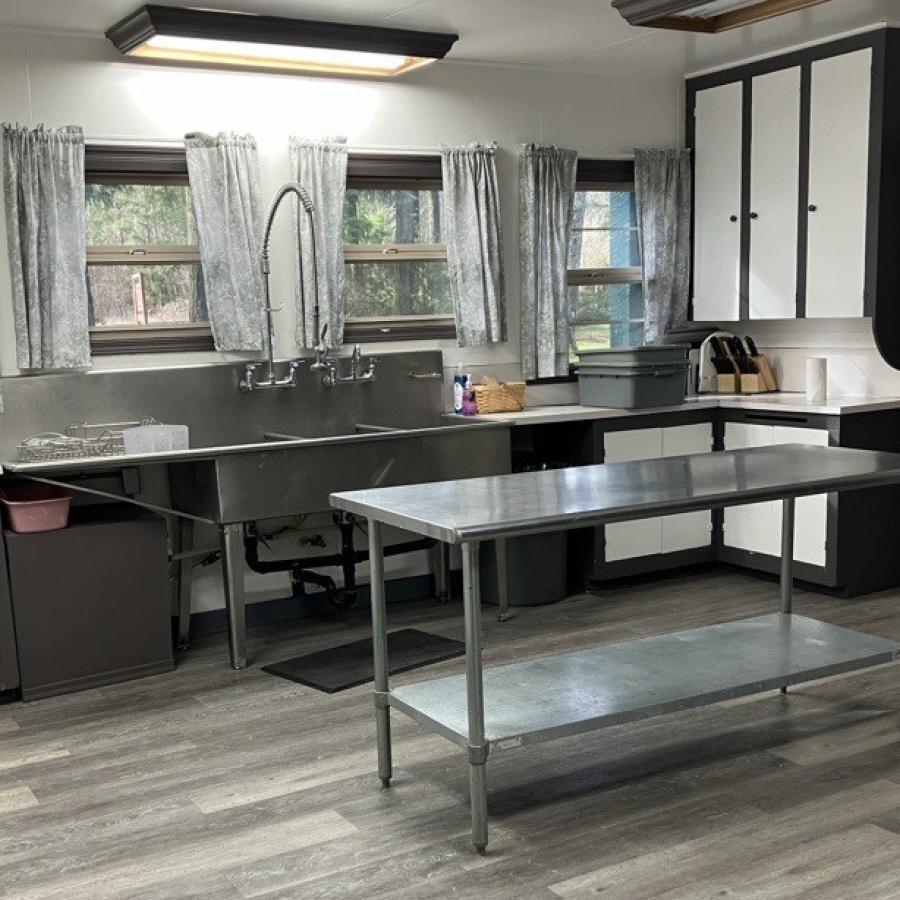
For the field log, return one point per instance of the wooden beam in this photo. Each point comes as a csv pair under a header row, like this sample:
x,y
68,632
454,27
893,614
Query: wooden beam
x,y
758,12
683,23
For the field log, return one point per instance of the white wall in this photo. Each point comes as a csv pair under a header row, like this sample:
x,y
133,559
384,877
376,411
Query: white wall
x,y
59,79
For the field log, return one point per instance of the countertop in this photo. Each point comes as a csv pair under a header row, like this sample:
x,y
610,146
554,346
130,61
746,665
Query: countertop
x,y
777,402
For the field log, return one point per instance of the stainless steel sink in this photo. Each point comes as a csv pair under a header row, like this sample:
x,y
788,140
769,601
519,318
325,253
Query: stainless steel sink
x,y
292,475
256,457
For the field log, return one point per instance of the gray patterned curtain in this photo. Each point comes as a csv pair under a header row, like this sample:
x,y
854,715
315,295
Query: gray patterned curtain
x,y
43,176
546,194
662,183
321,167
474,243
224,178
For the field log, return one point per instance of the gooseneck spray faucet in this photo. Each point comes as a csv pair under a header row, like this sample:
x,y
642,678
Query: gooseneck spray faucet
x,y
249,382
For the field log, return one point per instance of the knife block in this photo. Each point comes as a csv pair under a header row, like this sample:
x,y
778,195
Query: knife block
x,y
753,384
727,384
766,373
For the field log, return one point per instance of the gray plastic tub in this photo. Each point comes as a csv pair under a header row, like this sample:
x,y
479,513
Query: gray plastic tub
x,y
632,387
651,355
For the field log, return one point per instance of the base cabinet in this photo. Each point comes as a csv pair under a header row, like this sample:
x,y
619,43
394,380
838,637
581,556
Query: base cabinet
x,y
756,527
91,602
668,534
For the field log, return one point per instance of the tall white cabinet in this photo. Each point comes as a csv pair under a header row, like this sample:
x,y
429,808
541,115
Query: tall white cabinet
x,y
838,181
784,199
774,194
717,203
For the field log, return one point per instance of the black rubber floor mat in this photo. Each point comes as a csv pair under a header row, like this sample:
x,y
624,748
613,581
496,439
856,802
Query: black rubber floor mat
x,y
349,665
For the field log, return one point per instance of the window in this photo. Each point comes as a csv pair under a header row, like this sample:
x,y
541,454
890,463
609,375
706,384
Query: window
x,y
396,280
145,283
605,298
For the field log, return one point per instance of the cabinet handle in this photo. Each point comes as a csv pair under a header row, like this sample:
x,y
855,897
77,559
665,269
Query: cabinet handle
x,y
812,207
754,215
732,218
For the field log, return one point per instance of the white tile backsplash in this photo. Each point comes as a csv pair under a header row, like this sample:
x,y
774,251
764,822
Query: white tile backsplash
x,y
855,367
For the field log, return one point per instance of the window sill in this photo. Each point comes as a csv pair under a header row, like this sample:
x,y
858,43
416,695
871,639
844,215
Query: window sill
x,y
114,341
400,328
571,378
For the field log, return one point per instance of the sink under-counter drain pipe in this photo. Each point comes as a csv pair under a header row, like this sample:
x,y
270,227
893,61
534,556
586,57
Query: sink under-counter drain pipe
x,y
300,569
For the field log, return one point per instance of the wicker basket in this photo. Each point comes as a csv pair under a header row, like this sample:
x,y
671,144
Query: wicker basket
x,y
493,397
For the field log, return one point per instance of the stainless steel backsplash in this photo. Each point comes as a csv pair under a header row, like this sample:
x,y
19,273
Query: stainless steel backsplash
x,y
207,399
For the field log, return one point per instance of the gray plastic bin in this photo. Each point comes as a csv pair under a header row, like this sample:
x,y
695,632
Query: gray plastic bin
x,y
626,387
650,355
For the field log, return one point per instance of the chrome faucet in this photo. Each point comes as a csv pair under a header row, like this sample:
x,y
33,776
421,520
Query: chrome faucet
x,y
249,381
357,374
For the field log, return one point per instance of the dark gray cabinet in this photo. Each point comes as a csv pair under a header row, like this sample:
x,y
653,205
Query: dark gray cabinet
x,y
91,602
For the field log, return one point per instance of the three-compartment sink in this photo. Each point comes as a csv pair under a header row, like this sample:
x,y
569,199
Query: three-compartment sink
x,y
292,474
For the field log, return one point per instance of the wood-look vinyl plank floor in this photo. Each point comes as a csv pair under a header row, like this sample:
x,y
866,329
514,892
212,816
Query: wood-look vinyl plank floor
x,y
208,783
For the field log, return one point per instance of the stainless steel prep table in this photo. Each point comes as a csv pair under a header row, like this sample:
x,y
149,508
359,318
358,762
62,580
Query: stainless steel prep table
x,y
549,697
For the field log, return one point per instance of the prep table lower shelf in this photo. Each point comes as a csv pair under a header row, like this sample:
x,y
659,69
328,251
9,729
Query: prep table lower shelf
x,y
549,697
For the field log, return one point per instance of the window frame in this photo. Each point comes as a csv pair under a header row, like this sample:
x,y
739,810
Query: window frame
x,y
409,171
602,175
117,164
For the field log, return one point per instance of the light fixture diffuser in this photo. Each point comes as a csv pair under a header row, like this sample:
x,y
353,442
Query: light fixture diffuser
x,y
237,40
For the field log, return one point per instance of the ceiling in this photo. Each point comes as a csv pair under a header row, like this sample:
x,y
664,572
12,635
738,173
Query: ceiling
x,y
571,35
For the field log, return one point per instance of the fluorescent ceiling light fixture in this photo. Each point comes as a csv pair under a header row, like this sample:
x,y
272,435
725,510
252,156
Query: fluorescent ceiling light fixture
x,y
238,40
706,16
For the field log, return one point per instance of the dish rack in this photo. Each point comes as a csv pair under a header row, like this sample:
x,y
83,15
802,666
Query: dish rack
x,y
78,442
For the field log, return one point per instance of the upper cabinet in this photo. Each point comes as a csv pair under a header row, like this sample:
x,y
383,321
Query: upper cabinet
x,y
774,194
840,97
717,203
797,186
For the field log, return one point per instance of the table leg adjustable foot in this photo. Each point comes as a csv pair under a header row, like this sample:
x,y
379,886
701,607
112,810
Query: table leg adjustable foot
x,y
784,690
385,782
482,849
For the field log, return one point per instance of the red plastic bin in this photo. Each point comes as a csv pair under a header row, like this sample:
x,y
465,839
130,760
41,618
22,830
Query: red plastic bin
x,y
36,507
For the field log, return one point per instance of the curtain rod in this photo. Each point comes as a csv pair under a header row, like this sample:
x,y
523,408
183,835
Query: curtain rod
x,y
122,141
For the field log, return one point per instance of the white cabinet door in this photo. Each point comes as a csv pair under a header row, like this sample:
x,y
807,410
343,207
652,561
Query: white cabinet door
x,y
686,530
811,513
717,203
625,540
755,527
774,194
838,184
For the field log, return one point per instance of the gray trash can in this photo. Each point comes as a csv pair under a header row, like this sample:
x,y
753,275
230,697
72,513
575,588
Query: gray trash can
x,y
536,569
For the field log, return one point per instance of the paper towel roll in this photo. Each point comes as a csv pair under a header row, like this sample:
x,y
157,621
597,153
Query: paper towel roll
x,y
816,379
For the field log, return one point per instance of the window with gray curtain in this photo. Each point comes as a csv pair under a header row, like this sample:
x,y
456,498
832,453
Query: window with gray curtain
x,y
223,171
546,193
662,182
43,177
605,296
473,235
321,167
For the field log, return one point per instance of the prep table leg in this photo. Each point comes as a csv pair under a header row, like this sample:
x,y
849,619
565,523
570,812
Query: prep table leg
x,y
441,571
379,644
232,537
502,579
185,582
787,558
475,696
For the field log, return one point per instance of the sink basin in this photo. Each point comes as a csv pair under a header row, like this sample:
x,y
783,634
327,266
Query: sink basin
x,y
290,475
